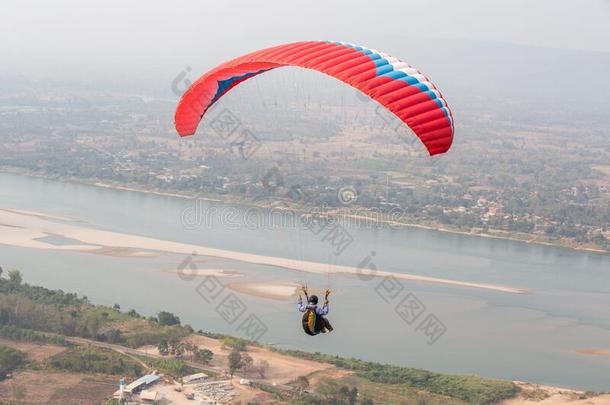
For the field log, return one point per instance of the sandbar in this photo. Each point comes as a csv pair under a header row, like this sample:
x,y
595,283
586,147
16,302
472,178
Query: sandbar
x,y
22,230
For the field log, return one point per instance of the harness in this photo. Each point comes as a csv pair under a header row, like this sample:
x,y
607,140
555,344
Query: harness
x,y
312,322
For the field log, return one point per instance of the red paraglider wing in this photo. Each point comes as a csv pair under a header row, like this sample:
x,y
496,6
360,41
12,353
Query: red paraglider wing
x,y
399,87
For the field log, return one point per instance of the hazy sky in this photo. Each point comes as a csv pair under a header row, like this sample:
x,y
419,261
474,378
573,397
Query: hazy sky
x,y
62,35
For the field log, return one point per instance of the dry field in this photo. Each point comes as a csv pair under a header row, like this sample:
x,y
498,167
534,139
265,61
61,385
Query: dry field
x,y
50,387
34,351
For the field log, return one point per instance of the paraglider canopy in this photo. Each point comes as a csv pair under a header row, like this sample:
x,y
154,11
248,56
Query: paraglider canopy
x,y
396,85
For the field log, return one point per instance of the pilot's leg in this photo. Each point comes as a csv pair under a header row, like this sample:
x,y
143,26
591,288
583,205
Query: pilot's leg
x,y
327,324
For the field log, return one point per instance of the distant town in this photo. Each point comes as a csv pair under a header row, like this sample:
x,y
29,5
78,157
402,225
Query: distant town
x,y
532,182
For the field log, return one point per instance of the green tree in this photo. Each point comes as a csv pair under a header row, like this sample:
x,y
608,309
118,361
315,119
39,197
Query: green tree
x,y
173,367
176,347
204,356
235,362
15,276
113,336
10,359
246,362
167,318
92,325
163,347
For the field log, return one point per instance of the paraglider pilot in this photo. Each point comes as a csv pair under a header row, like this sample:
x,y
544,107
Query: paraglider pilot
x,y
314,320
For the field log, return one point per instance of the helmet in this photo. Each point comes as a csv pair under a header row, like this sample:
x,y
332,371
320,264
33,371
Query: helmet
x,y
313,299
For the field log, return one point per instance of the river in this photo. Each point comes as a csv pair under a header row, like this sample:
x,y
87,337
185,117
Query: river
x,y
532,337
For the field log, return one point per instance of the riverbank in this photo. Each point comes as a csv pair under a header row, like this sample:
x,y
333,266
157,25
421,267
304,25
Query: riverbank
x,y
374,218
336,213
536,394
139,338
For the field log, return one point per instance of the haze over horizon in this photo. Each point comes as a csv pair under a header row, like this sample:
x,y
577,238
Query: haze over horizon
x,y
75,40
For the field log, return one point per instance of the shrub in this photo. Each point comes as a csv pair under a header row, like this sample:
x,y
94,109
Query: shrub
x,y
172,367
156,336
95,360
10,359
111,336
28,335
234,343
167,318
203,356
